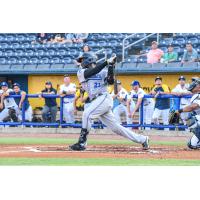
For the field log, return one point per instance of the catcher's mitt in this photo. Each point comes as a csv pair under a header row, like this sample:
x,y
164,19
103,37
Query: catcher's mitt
x,y
174,117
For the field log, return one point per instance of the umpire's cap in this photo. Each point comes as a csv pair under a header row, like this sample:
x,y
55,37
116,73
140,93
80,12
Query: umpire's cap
x,y
16,84
194,84
4,84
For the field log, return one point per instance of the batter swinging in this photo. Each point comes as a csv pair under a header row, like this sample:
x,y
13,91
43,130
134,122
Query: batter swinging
x,y
94,80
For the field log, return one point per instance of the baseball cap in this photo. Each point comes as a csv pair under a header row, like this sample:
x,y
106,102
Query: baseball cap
x,y
182,78
134,83
66,75
119,82
158,78
48,83
4,84
16,84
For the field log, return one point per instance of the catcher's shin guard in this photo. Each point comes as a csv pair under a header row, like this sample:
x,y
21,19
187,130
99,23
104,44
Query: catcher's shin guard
x,y
82,142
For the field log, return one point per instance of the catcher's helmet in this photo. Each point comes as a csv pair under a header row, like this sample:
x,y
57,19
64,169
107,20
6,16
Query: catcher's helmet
x,y
194,84
86,59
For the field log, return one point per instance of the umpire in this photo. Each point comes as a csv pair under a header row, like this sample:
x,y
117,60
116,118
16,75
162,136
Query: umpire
x,y
50,108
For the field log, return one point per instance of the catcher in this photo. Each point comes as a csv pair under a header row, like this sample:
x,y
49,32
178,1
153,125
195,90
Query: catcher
x,y
94,79
193,120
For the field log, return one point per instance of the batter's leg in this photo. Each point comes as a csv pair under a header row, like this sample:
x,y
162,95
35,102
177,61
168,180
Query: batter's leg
x,y
4,113
109,120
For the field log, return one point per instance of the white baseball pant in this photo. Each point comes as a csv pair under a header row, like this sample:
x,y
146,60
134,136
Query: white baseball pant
x,y
68,112
164,114
101,108
28,114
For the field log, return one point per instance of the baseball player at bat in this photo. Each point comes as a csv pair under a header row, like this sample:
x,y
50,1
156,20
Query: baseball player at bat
x,y
94,79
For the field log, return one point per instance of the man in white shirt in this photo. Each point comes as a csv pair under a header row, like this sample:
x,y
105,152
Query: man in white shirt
x,y
68,88
121,108
181,90
148,103
6,103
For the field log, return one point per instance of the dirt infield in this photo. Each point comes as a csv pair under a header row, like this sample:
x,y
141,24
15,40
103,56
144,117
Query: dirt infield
x,y
97,151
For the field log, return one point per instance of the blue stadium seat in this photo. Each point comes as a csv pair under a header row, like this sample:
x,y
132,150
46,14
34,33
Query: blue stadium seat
x,y
61,52
10,38
19,52
35,45
20,38
179,41
181,35
166,42
164,49
44,60
109,51
91,43
26,45
102,43
1,38
15,45
23,60
29,52
67,60
13,60
34,60
1,53
55,60
142,59
194,41
9,53
40,52
4,45
2,60
31,37
50,52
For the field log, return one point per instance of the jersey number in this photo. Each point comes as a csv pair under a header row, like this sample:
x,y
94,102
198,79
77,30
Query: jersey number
x,y
97,85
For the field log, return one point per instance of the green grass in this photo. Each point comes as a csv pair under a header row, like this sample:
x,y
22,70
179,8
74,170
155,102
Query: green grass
x,y
61,141
95,162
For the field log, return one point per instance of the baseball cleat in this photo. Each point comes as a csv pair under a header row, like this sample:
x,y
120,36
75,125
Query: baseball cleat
x,y
77,147
145,145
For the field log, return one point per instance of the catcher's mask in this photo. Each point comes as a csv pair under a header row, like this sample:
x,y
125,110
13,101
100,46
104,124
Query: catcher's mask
x,y
87,59
194,84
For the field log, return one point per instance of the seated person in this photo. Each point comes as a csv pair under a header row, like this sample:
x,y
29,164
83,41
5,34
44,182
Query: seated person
x,y
190,55
170,56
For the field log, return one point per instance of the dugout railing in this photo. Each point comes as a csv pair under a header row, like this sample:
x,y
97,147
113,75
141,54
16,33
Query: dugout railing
x,y
61,122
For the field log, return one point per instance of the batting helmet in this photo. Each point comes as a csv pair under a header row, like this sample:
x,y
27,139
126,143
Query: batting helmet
x,y
86,59
194,84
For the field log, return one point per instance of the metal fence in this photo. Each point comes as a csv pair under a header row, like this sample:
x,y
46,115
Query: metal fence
x,y
61,122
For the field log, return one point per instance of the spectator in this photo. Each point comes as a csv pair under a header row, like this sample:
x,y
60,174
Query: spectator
x,y
50,107
19,101
42,38
154,55
69,37
80,37
181,90
86,48
190,55
162,106
68,88
58,38
170,56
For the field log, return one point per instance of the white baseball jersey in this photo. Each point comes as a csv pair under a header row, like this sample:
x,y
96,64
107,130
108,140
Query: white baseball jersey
x,y
94,85
9,101
196,99
123,94
71,87
140,94
178,88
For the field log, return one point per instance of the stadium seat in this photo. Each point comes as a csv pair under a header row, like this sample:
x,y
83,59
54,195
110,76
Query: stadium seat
x,y
40,52
44,60
26,45
50,52
164,49
1,38
160,66
4,45
33,60
19,52
91,43
194,41
2,60
23,60
13,60
179,42
16,45
67,60
144,66
142,59
166,42
1,53
10,38
29,52
9,53
55,60
20,38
